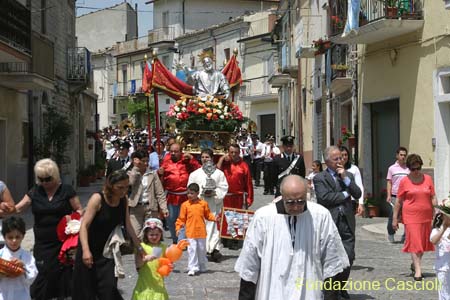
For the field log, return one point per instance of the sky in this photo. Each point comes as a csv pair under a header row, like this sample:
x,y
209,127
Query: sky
x,y
145,11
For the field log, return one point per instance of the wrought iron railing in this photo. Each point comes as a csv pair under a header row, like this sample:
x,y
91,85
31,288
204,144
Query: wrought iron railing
x,y
373,10
339,61
15,25
79,64
15,67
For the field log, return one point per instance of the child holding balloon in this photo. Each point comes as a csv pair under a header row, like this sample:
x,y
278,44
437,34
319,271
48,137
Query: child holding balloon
x,y
150,284
192,215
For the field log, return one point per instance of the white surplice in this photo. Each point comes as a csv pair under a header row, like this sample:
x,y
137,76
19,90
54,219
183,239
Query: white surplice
x,y
215,203
285,272
18,287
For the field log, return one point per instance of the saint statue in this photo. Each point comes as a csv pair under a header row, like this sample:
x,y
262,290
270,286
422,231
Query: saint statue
x,y
208,82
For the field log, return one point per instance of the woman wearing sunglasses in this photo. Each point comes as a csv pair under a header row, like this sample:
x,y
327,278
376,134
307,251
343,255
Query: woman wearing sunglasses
x,y
416,194
50,200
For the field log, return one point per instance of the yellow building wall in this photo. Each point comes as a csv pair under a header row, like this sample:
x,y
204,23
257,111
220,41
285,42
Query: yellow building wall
x,y
403,68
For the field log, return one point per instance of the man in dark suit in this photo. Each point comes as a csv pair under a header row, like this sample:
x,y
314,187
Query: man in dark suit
x,y
334,189
120,162
288,163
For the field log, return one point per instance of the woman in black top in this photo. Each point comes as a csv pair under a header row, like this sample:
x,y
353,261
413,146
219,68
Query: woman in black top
x,y
94,274
50,200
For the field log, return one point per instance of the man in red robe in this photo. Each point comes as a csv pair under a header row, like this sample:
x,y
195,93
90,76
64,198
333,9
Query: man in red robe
x,y
240,185
175,174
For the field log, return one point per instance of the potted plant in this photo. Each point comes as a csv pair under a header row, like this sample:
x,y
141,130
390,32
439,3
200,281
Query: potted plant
x,y
371,205
83,177
391,8
341,70
337,23
348,136
92,170
321,46
100,164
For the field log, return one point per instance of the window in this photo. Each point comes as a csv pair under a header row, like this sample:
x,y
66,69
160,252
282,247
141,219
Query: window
x,y
304,100
444,84
167,101
25,140
124,81
192,58
44,16
227,53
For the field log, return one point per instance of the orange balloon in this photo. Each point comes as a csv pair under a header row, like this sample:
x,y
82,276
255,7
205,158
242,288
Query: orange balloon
x,y
164,270
164,261
174,253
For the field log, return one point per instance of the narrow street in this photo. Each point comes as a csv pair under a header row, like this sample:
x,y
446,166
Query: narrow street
x,y
377,262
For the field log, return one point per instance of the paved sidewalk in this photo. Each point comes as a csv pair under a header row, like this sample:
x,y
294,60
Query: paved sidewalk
x,y
379,228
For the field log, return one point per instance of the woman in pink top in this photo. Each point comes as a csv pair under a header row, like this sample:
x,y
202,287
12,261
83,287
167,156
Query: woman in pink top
x,y
416,194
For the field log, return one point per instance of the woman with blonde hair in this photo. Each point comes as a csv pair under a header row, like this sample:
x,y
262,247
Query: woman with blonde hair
x,y
50,200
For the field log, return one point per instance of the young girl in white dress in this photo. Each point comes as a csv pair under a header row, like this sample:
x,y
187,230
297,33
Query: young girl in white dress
x,y
440,236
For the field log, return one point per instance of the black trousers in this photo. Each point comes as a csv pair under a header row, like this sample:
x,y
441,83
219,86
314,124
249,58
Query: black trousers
x,y
269,177
256,169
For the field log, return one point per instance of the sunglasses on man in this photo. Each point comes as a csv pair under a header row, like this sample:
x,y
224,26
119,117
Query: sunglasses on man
x,y
291,202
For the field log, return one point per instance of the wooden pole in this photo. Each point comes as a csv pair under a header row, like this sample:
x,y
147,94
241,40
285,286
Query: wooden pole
x,y
149,124
155,97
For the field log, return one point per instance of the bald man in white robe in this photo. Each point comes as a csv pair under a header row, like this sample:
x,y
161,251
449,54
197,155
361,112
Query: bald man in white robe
x,y
290,248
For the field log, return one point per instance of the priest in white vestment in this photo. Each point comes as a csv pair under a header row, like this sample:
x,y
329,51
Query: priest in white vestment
x,y
212,192
291,246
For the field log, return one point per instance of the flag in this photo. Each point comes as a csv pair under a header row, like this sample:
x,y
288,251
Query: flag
x,y
233,73
147,78
165,81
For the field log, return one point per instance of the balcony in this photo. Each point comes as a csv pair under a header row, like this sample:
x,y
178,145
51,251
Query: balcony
x,y
129,88
161,35
341,80
377,21
257,90
15,27
79,65
22,76
35,73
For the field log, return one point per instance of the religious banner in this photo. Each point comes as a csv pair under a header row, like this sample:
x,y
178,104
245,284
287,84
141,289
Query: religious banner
x,y
167,83
147,78
233,73
234,223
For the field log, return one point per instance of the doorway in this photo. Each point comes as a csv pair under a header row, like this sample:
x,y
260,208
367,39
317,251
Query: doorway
x,y
385,141
266,125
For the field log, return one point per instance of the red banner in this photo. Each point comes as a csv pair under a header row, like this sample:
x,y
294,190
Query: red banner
x,y
165,81
232,72
147,79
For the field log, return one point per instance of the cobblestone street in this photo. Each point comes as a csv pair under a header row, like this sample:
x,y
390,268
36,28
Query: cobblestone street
x,y
377,261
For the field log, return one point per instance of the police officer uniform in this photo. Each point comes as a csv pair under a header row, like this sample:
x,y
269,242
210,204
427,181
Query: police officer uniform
x,y
118,163
282,163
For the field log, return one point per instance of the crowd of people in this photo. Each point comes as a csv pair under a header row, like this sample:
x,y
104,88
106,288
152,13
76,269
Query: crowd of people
x,y
148,192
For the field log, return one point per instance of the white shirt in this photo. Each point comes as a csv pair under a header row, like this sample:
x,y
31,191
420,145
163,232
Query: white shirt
x,y
270,151
442,261
358,180
282,271
18,287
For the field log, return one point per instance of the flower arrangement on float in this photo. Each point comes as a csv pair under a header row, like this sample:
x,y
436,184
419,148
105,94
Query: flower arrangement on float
x,y
205,114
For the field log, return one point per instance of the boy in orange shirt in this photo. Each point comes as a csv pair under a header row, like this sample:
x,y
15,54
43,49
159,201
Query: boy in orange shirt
x,y
192,215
